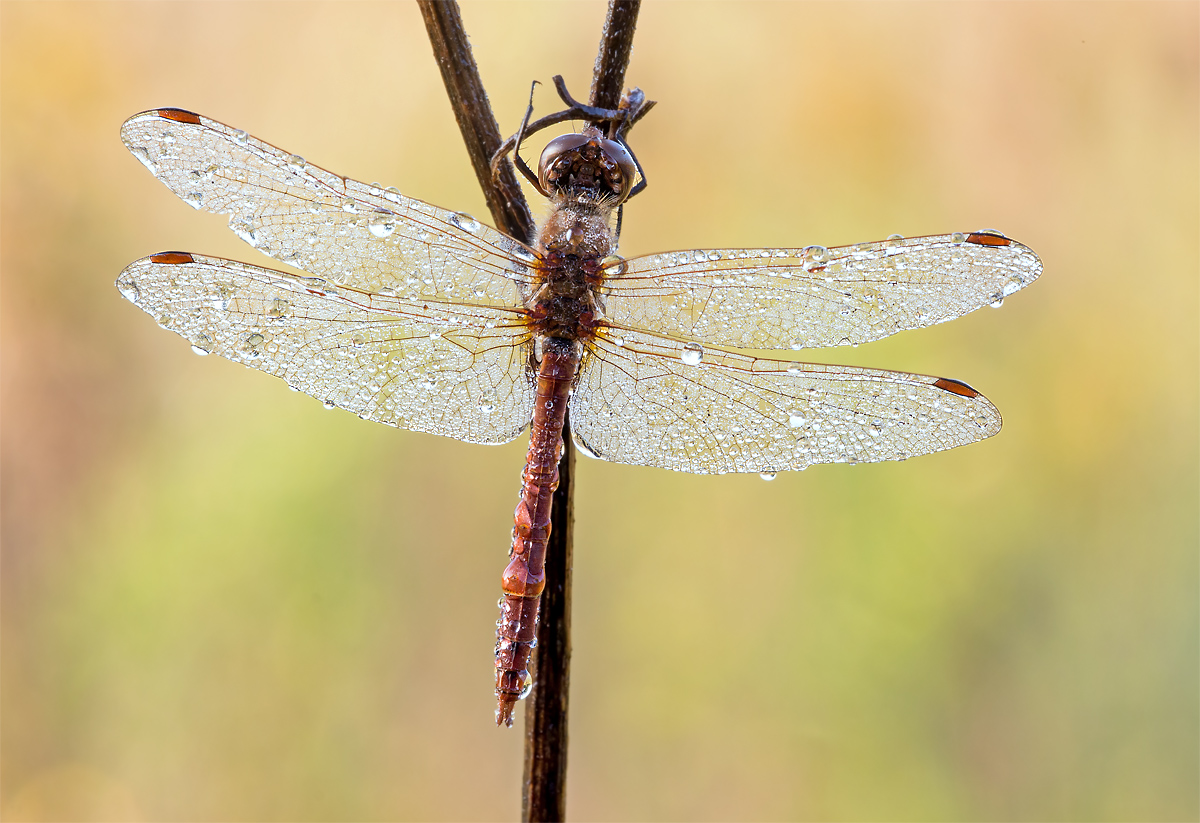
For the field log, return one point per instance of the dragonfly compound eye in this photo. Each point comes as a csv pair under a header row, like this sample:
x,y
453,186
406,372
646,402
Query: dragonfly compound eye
x,y
582,164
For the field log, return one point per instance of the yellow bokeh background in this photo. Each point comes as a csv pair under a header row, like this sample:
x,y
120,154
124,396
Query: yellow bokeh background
x,y
221,602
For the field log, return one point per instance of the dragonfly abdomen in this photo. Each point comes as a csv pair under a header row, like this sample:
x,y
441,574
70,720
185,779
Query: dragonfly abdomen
x,y
525,576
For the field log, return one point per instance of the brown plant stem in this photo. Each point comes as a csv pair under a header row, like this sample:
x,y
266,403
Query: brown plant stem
x,y
478,125
544,784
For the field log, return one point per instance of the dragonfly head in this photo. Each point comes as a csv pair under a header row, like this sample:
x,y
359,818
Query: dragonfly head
x,y
587,166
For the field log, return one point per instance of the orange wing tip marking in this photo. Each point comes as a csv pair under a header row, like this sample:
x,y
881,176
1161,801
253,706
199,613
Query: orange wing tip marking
x,y
179,116
172,258
988,238
955,387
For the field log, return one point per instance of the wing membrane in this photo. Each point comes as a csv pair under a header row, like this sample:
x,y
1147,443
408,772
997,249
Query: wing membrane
x,y
638,401
805,298
443,368
361,236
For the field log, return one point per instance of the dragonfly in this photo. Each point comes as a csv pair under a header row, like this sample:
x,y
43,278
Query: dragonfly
x,y
426,319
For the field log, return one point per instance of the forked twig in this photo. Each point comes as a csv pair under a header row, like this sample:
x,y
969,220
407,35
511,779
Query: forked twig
x,y
544,785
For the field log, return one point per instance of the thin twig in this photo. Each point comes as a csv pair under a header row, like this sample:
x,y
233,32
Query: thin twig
x,y
608,78
474,114
544,785
545,797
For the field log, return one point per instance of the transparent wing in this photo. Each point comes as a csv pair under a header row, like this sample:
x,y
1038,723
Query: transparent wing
x,y
370,239
805,298
652,401
459,371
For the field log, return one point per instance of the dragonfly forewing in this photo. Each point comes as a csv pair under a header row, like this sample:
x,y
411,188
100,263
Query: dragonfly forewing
x,y
357,235
454,370
653,401
812,297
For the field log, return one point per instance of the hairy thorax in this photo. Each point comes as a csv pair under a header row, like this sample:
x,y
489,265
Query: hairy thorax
x,y
574,242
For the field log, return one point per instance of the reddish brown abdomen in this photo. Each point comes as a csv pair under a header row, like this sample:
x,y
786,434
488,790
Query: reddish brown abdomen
x,y
525,576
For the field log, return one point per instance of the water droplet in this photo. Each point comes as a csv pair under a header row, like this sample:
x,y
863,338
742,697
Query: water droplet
x,y
393,191
876,428
356,341
382,223
692,354
991,233
349,204
997,301
202,345
241,137
1012,286
244,230
525,255
465,221
958,238
795,421
487,407
251,345
615,265
296,162
203,175
329,404
129,290
318,286
768,476
143,155
526,685
163,320
895,240
193,198
814,256
279,308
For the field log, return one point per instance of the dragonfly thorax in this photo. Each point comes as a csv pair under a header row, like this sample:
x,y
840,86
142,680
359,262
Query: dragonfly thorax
x,y
573,242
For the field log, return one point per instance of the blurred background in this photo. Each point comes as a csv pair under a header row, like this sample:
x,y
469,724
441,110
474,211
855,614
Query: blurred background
x,y
221,602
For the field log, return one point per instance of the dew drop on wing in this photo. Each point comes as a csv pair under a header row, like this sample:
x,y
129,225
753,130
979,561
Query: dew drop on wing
x,y
814,256
243,230
768,476
296,162
329,404
143,155
692,354
795,421
129,290
524,255
584,449
241,137
382,223
526,685
465,221
958,238
194,199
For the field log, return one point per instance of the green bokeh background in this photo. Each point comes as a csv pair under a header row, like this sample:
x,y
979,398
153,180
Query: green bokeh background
x,y
221,602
